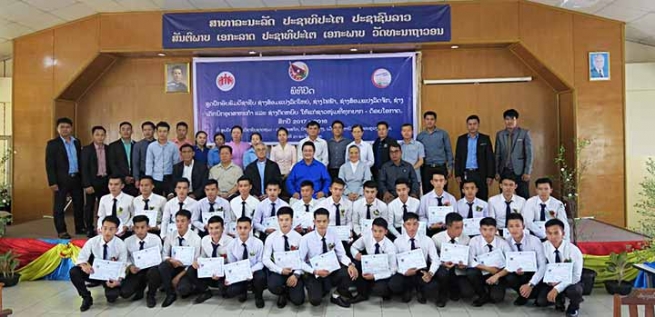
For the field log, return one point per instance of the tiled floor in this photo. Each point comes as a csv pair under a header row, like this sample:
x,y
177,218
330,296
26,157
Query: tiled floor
x,y
56,298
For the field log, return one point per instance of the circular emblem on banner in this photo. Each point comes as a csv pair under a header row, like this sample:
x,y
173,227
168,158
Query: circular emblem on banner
x,y
381,78
298,71
225,81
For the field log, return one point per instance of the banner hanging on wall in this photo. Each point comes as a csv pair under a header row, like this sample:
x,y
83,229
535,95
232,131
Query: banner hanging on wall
x,y
303,27
263,94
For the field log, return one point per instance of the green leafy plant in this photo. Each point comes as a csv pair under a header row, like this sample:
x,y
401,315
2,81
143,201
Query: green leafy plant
x,y
5,218
8,263
618,264
569,178
646,206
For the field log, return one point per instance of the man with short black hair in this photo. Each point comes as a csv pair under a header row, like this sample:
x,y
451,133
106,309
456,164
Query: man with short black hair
x,y
543,207
181,130
438,151
160,158
208,207
337,149
452,276
227,173
321,152
196,172
94,175
119,158
474,158
381,148
514,153
394,169
246,247
308,168
148,129
118,204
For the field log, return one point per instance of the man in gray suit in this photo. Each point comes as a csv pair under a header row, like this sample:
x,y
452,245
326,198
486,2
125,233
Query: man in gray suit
x,y
514,153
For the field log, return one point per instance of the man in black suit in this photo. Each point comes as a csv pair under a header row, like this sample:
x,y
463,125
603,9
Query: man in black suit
x,y
94,175
119,158
261,172
474,158
196,172
62,157
381,148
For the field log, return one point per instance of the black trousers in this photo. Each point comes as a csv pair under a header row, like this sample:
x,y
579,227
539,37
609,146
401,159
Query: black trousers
x,y
399,284
167,272
494,292
100,189
137,283
277,284
366,288
522,187
334,173
317,287
79,279
572,292
480,181
164,187
515,281
72,186
453,284
190,283
427,170
258,283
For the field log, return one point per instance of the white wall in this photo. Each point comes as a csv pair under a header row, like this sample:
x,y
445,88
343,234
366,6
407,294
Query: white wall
x,y
638,53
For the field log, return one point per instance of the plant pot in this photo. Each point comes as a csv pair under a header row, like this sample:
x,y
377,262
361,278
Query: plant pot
x,y
10,281
588,279
614,287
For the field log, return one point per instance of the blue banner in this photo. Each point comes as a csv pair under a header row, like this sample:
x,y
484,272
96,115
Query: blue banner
x,y
263,94
334,26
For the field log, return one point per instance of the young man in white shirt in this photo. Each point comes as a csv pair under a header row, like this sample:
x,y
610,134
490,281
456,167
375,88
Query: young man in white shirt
x,y
340,208
118,204
471,206
306,204
488,286
285,282
437,197
268,208
557,249
505,203
105,246
211,205
320,281
139,277
213,245
243,205
180,202
452,276
372,244
368,207
149,201
247,247
172,269
421,279
544,207
400,206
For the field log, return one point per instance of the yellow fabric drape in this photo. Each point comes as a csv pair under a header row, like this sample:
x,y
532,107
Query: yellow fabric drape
x,y
48,261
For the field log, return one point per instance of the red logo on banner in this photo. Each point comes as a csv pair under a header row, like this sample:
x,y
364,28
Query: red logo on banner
x,y
225,81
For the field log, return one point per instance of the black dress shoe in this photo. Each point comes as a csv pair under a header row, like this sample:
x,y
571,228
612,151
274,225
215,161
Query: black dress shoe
x,y
407,297
259,302
520,301
151,302
64,235
80,232
359,298
281,301
243,297
138,296
111,299
480,301
454,297
203,297
572,312
339,301
93,283
87,302
169,300
441,301
420,297
559,304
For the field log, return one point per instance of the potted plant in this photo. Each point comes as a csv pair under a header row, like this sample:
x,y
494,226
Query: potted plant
x,y
5,218
617,264
8,264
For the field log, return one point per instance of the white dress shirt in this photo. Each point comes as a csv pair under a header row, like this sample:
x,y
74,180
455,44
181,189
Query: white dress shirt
x,y
275,243
187,171
320,153
498,208
200,214
480,208
404,244
531,243
532,213
432,199
395,210
255,252
367,243
264,210
442,238
478,246
365,153
378,210
567,253
171,208
133,244
189,239
345,208
124,209
236,204
155,202
311,245
116,250
207,246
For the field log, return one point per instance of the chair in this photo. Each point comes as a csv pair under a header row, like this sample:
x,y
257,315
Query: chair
x,y
645,297
3,312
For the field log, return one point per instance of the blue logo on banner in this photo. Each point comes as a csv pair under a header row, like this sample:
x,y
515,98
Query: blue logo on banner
x,y
367,25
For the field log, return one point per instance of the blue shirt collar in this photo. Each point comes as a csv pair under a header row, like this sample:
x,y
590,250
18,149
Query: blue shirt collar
x,y
72,139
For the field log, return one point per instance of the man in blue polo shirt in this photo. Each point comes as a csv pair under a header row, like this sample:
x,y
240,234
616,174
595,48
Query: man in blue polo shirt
x,y
309,169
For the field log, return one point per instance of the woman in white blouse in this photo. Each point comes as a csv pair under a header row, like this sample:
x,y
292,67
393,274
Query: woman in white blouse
x,y
283,154
365,148
355,173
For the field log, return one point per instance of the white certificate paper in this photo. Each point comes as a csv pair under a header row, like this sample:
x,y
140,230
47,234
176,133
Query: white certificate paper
x,y
236,272
304,220
271,223
437,214
107,270
326,261
151,214
422,228
147,257
559,273
343,232
525,260
411,260
493,259
472,226
376,264
367,227
210,267
288,259
207,215
183,254
541,227
455,253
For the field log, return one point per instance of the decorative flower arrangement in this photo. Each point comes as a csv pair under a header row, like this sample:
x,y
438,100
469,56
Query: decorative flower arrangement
x,y
552,213
376,212
446,203
343,211
120,210
152,207
331,246
293,247
516,211
478,208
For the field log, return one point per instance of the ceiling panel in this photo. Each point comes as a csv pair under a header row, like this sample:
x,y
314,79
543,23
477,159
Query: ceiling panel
x,y
49,5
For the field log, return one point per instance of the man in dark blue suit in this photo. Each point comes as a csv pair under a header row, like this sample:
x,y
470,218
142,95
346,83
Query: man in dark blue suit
x,y
95,173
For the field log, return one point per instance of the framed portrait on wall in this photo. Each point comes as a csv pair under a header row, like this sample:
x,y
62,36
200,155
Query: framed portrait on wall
x,y
599,66
177,78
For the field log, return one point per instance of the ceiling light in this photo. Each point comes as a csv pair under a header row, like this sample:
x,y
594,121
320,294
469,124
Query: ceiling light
x,y
455,46
353,49
252,52
161,54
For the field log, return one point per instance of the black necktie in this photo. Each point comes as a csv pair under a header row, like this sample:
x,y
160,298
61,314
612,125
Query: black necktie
x,y
452,241
104,251
413,245
211,207
141,245
557,258
286,243
145,204
243,208
368,211
306,207
214,250
508,211
470,215
180,239
543,212
491,247
518,247
113,208
439,201
181,206
404,210
377,248
245,252
325,248
272,209
338,217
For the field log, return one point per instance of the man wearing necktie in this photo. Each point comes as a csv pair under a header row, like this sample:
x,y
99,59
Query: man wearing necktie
x,y
211,205
267,209
543,207
369,208
451,276
597,71
248,248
